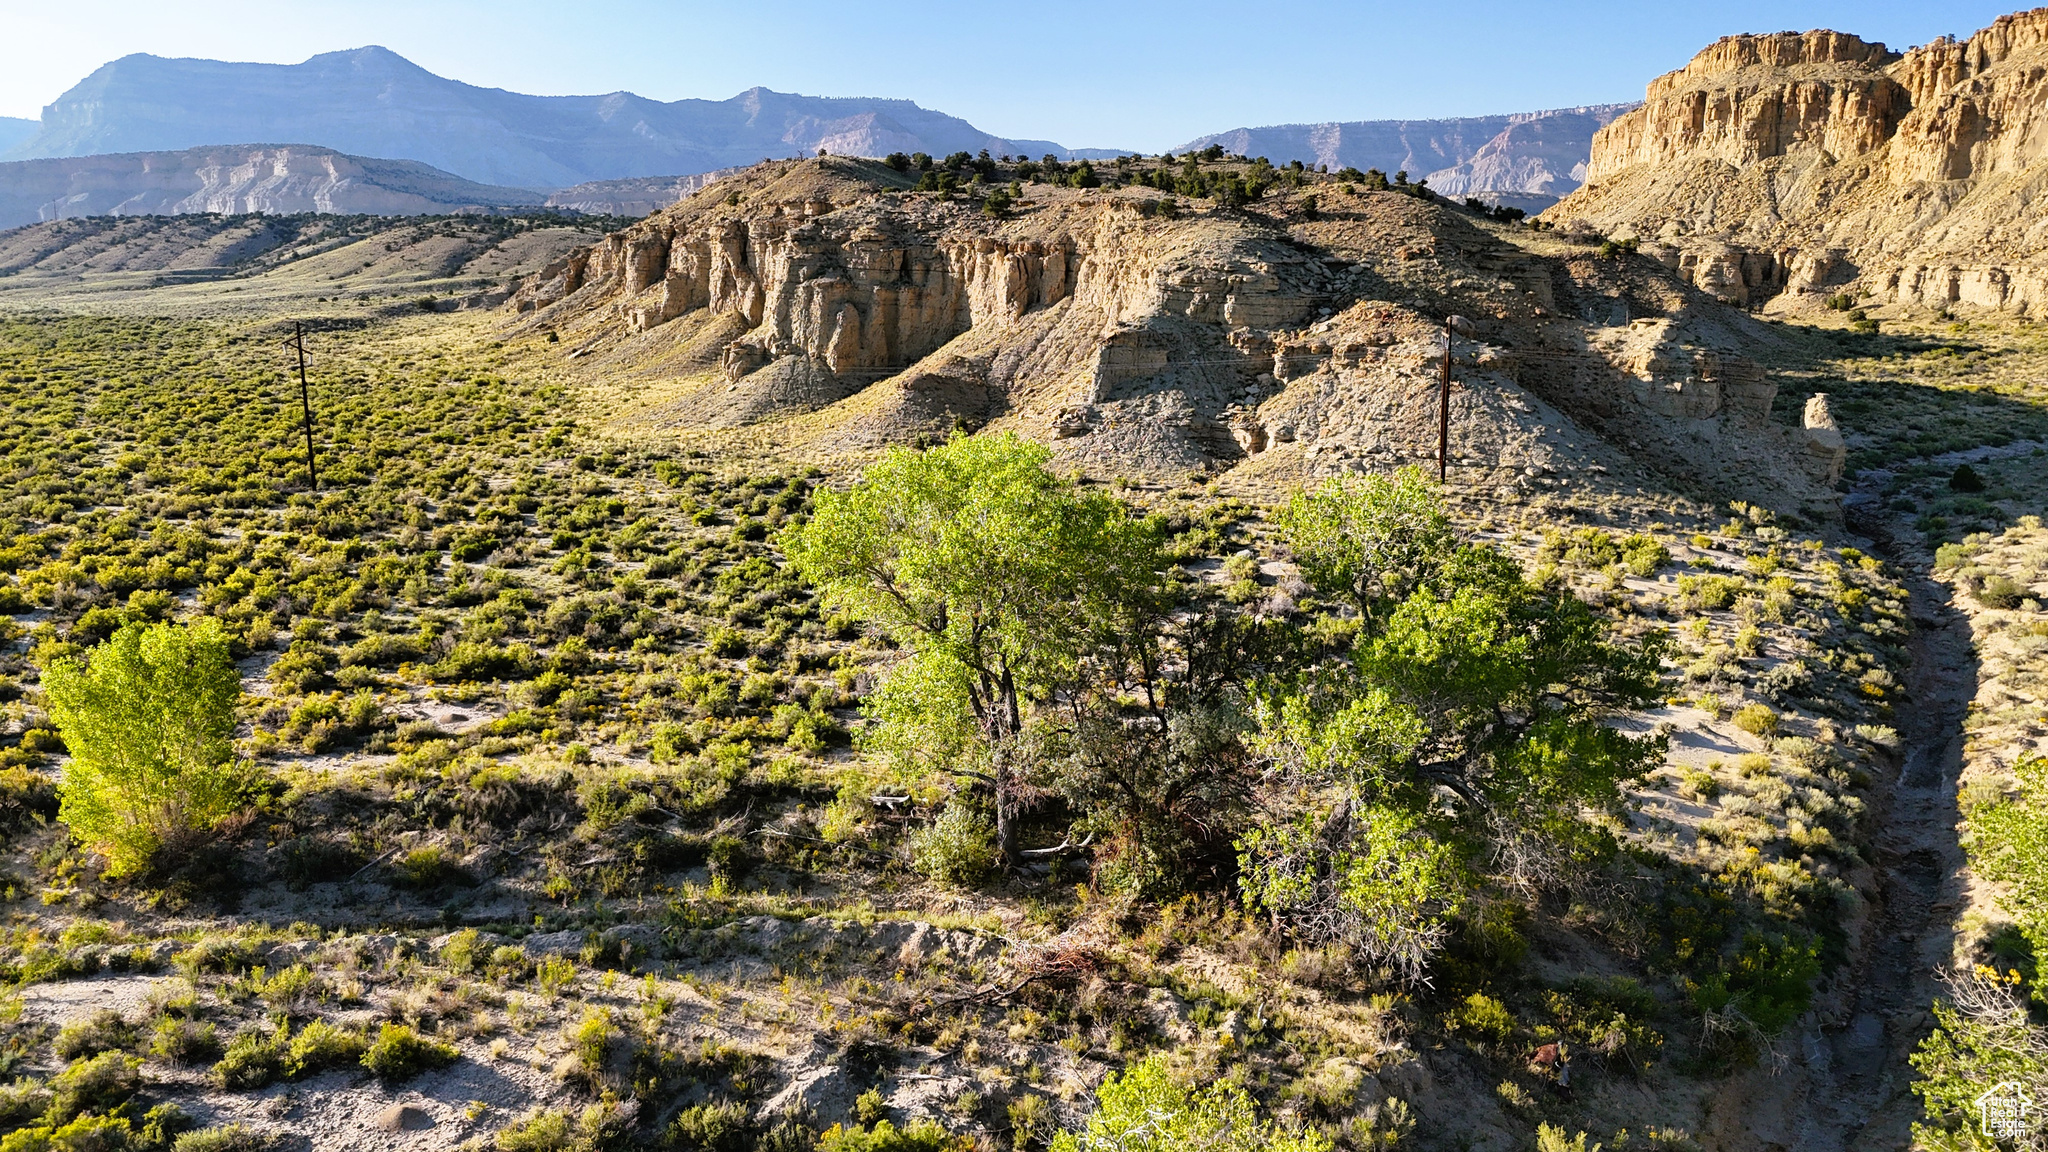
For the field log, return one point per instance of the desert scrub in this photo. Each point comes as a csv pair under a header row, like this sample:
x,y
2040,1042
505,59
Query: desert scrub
x,y
320,1046
224,1138
956,848
400,1053
253,1059
103,1031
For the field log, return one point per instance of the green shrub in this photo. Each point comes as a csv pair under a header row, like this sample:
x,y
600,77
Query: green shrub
x,y
160,1128
712,1128
957,848
224,1138
540,1132
920,1136
96,1084
1550,1138
1484,1017
401,1053
1756,719
1147,1110
83,1134
554,974
2000,591
320,1046
460,952
183,1041
430,867
103,1031
254,1058
148,718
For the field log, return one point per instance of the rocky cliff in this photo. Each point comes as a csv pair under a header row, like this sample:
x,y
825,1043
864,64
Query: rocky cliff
x,y
823,308
271,179
1788,167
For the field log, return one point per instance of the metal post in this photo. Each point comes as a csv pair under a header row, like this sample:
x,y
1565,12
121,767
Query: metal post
x,y
306,402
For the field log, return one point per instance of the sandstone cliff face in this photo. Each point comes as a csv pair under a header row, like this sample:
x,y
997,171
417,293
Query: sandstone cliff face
x,y
815,304
1798,165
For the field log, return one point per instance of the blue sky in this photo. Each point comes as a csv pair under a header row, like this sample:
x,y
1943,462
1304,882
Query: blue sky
x,y
1140,75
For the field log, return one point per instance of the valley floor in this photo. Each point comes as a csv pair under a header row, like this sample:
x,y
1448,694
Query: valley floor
x,y
563,777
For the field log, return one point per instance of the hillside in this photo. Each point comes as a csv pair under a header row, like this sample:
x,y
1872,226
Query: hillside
x,y
1792,167
1528,159
359,266
373,102
272,179
822,307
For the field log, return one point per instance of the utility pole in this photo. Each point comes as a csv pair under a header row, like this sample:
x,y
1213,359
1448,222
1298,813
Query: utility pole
x,y
298,343
1453,325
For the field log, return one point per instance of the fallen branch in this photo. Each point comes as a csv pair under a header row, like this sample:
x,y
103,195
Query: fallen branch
x,y
764,830
1066,845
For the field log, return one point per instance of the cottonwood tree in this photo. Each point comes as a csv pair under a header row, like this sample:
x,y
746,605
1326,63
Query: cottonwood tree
x,y
1468,712
998,576
148,718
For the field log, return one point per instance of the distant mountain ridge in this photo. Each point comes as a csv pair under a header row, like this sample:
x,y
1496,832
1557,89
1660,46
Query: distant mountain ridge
x,y
235,180
14,131
1529,159
373,102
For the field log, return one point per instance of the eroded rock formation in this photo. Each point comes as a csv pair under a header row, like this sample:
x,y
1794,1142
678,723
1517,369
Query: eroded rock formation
x,y
821,301
1804,165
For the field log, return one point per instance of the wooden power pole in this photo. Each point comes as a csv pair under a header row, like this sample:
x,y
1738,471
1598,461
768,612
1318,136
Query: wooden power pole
x,y
1453,325
298,343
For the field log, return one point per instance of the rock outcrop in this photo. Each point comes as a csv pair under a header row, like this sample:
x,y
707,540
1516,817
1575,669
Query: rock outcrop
x,y
1794,166
258,178
820,305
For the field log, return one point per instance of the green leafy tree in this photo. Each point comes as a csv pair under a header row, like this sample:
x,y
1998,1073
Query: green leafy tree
x,y
148,716
1368,539
1147,1110
1469,707
997,575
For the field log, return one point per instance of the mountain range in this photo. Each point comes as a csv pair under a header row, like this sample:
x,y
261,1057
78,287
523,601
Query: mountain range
x,y
146,133
374,102
1527,159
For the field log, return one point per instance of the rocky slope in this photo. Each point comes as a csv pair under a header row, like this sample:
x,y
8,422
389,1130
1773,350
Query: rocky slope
x,y
374,102
821,305
273,179
1818,163
1528,159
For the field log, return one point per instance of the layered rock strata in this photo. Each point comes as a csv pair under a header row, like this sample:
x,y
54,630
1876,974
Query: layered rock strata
x,y
819,303
1808,165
